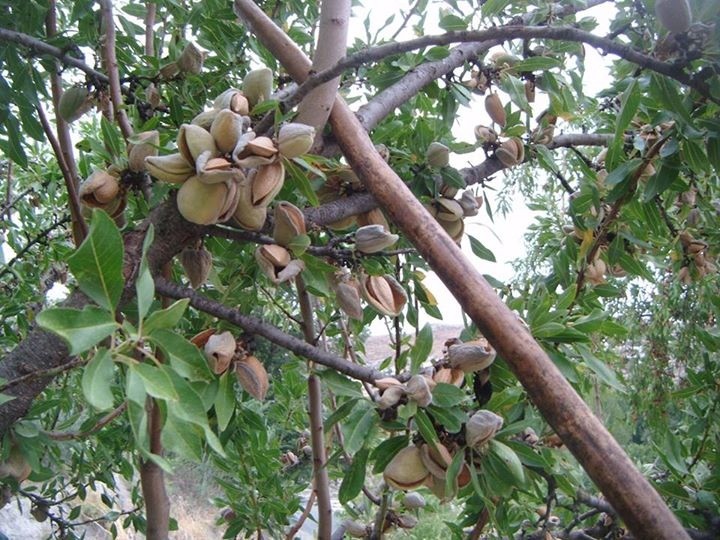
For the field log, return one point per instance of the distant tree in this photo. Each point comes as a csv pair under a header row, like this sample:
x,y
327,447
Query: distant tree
x,y
236,201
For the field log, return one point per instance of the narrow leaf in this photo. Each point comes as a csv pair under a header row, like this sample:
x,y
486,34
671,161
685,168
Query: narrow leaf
x,y
480,250
355,478
156,381
421,349
96,380
166,318
144,284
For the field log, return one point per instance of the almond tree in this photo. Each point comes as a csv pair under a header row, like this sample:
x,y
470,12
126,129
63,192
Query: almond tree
x,y
235,195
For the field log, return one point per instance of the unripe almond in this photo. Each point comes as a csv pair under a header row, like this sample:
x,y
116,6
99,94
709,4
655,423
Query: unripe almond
x,y
675,15
494,108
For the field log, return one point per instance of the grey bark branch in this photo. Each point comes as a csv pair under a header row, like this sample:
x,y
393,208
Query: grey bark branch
x,y
509,32
269,332
331,45
40,47
113,73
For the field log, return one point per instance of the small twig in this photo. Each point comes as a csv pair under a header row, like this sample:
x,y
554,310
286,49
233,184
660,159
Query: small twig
x,y
268,331
150,11
41,237
406,19
299,523
480,524
665,216
272,298
105,420
377,531
317,436
49,372
37,46
113,71
615,210
76,216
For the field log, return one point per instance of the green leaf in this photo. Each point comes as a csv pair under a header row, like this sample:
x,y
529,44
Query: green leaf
x,y
166,318
452,22
190,408
622,172
225,400
184,357
386,450
97,263
659,182
112,138
538,63
182,438
4,398
360,427
144,284
480,250
96,380
421,349
451,477
667,92
509,462
80,329
354,479
338,414
425,427
451,419
156,381
601,369
340,384
630,101
493,7
447,395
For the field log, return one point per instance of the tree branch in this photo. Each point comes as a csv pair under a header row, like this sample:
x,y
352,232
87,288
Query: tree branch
x,y
104,421
510,32
79,227
331,45
269,332
37,46
43,350
113,72
39,238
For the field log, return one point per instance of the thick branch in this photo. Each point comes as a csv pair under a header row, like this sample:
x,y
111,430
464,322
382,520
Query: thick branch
x,y
317,436
603,459
331,44
37,46
63,145
79,226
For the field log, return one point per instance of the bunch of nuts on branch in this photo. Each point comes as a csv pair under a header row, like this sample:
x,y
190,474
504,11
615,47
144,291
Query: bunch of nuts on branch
x,y
697,264
223,353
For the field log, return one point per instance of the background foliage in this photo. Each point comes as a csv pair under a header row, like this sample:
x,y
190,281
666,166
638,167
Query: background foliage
x,y
619,284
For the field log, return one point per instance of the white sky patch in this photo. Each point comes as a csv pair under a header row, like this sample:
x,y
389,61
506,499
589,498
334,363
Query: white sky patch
x,y
505,235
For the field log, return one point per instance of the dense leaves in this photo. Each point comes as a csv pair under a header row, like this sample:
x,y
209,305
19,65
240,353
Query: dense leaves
x,y
619,284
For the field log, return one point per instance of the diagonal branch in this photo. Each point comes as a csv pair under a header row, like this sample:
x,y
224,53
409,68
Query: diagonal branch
x,y
600,455
510,32
44,49
269,332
